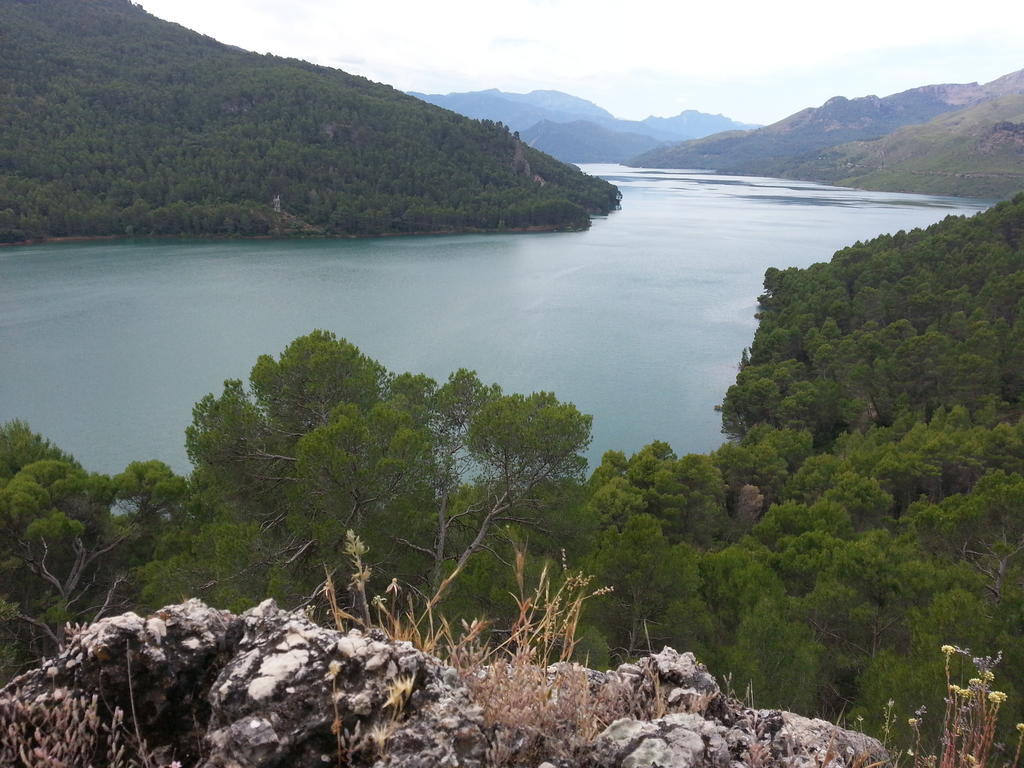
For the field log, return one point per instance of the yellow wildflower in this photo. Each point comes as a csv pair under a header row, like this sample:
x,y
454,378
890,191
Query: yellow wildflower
x,y
997,697
949,650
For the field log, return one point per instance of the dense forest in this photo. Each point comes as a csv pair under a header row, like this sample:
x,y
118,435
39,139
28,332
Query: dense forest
x,y
866,510
114,122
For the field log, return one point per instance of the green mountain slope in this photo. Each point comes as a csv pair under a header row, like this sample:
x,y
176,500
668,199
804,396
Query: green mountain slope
x,y
975,151
112,122
868,510
893,329
773,150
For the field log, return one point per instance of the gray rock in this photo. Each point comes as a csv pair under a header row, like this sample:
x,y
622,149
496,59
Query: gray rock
x,y
271,688
710,731
162,666
826,744
652,753
319,692
767,738
674,741
267,688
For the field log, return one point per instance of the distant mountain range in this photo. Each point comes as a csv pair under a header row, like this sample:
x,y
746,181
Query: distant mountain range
x,y
966,140
586,142
978,151
576,130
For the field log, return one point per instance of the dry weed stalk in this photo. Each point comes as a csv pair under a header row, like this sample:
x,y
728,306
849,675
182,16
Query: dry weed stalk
x,y
339,615
543,706
970,719
69,733
546,713
545,628
399,621
375,739
549,617
537,710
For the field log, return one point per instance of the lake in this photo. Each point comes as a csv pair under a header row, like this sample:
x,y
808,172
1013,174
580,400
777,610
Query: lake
x,y
639,321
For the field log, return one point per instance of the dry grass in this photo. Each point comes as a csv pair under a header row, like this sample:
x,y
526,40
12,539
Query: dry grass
x,y
540,705
544,630
538,714
69,733
536,703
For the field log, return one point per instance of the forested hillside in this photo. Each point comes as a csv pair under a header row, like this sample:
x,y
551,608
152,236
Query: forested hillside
x,y
892,329
957,145
114,122
836,121
866,511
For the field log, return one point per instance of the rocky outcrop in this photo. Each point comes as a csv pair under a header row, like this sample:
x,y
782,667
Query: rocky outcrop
x,y
745,738
271,688
267,688
160,667
702,728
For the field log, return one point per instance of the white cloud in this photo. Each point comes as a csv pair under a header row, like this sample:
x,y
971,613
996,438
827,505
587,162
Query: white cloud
x,y
656,49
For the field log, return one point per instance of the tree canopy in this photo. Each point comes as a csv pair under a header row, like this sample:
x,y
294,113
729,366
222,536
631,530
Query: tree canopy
x,y
325,440
866,510
114,122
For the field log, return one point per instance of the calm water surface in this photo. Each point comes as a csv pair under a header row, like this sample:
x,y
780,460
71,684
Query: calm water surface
x,y
105,346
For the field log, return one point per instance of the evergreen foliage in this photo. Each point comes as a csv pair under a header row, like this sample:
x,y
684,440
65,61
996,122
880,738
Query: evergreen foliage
x,y
113,122
867,510
890,330
871,496
971,152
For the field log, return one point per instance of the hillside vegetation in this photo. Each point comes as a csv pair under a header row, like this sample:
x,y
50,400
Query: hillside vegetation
x,y
898,327
958,145
977,152
114,122
866,511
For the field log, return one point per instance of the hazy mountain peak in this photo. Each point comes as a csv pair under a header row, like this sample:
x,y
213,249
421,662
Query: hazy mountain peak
x,y
558,101
576,130
1007,84
807,144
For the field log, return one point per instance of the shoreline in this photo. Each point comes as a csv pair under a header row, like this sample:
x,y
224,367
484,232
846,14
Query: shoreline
x,y
890,189
538,229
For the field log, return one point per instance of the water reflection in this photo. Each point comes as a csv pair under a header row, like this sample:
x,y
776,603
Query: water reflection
x,y
639,321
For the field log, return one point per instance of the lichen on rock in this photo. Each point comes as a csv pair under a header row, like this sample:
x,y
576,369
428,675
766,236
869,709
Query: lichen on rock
x,y
271,688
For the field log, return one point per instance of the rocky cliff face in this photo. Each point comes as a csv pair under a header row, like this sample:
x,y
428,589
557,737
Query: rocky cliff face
x,y
270,689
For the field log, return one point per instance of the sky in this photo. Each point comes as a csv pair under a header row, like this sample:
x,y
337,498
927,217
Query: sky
x,y
752,61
